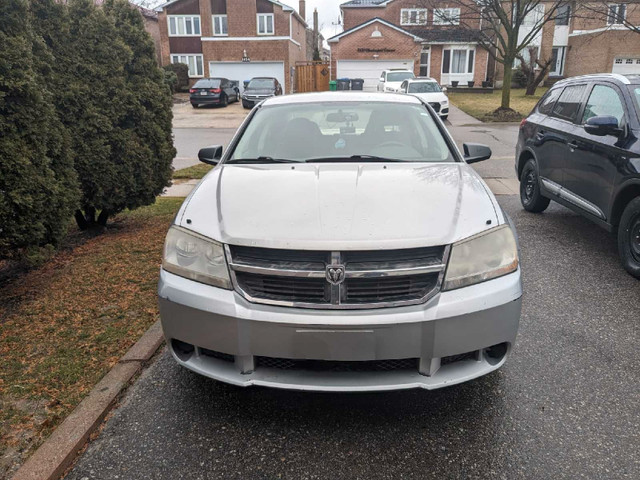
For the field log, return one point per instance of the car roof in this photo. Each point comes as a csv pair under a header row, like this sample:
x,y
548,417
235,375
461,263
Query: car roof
x,y
341,97
422,79
624,79
398,70
263,78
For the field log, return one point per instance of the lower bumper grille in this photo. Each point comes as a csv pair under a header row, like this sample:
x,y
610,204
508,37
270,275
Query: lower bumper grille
x,y
336,366
352,279
435,106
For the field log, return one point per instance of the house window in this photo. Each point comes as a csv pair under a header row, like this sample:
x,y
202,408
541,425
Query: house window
x,y
194,61
618,61
617,14
562,15
184,25
220,25
413,16
446,16
458,60
424,62
265,24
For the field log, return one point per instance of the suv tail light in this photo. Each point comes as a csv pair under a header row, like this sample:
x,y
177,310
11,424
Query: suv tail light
x,y
523,122
192,90
215,90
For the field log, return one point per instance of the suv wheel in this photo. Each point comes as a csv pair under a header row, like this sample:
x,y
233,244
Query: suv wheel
x,y
629,237
530,196
224,101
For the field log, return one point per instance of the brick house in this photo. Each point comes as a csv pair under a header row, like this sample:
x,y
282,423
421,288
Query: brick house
x,y
236,39
383,34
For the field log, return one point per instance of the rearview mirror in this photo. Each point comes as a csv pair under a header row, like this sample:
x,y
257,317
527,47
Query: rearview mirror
x,y
602,125
210,155
475,152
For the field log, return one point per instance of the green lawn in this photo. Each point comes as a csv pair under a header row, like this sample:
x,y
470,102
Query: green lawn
x,y
481,105
65,324
195,172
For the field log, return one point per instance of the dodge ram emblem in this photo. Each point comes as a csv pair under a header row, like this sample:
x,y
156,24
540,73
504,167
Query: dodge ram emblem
x,y
335,274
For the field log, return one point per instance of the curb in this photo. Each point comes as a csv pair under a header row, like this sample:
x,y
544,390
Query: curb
x,y
59,451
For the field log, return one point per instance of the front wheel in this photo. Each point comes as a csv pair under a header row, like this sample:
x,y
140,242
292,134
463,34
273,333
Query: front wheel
x,y
444,117
194,105
629,238
530,195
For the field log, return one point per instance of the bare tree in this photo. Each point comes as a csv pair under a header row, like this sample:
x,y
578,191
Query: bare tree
x,y
612,16
505,28
534,69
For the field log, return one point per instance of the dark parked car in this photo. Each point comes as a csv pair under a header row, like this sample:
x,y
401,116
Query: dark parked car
x,y
213,91
581,147
260,88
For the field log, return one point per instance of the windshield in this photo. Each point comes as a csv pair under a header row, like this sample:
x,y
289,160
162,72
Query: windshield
x,y
302,132
261,83
399,76
424,87
207,83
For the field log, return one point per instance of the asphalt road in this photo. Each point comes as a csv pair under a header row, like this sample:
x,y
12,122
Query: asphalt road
x,y
566,404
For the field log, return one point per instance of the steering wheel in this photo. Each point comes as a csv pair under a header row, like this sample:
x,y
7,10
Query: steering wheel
x,y
391,143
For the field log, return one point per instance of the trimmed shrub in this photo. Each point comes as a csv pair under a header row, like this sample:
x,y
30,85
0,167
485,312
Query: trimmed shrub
x,y
182,72
38,189
170,79
519,78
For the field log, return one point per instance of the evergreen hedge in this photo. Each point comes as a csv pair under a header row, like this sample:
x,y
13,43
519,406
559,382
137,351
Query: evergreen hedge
x,y
38,186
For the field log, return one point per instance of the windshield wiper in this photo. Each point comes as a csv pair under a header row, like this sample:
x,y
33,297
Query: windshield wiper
x,y
353,158
260,160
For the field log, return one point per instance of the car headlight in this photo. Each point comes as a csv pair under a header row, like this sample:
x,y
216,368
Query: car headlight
x,y
195,257
444,103
482,257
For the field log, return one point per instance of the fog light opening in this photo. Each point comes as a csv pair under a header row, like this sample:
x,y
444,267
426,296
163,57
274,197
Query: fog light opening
x,y
182,350
496,353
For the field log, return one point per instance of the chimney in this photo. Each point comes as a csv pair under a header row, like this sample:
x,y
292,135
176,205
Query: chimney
x,y
302,10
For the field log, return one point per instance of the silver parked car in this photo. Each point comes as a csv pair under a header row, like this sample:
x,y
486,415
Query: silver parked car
x,y
343,243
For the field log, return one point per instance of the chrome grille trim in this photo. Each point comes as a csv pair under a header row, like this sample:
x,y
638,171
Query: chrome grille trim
x,y
335,297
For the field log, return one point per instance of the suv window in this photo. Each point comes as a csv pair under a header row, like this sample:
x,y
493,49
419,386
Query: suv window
x,y
603,101
569,102
548,101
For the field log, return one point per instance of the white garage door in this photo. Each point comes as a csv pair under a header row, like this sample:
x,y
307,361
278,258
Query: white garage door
x,y
369,70
246,71
626,65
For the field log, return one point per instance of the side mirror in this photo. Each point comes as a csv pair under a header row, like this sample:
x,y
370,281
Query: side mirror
x,y
475,152
444,90
382,79
603,125
210,155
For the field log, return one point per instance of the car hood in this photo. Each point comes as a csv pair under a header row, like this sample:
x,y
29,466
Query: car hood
x,y
395,85
261,91
431,97
340,206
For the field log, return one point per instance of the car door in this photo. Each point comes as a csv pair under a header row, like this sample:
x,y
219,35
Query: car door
x,y
226,88
403,86
383,78
553,135
591,166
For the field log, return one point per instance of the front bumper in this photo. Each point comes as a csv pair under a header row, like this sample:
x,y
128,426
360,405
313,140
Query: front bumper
x,y
231,337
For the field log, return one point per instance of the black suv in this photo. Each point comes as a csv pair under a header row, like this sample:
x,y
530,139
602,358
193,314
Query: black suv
x,y
581,147
213,91
260,88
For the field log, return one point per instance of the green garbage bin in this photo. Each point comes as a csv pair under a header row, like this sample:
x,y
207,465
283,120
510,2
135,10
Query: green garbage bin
x,y
333,86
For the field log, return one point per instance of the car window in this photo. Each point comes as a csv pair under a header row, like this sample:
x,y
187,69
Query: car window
x,y
568,104
300,132
207,83
261,83
546,104
399,76
603,100
424,87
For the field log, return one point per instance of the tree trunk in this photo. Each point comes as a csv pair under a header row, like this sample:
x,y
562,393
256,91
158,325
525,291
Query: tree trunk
x,y
531,89
80,220
90,215
102,218
506,83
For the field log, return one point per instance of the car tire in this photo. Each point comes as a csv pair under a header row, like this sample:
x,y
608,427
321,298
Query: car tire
x,y
194,105
224,101
444,117
530,195
629,237
245,106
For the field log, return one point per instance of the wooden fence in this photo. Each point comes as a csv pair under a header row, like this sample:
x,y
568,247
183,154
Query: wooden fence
x,y
312,77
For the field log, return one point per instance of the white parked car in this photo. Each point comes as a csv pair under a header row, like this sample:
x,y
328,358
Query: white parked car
x,y
390,80
429,91
342,243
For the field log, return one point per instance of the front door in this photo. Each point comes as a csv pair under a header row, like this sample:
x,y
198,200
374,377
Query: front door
x,y
590,169
557,61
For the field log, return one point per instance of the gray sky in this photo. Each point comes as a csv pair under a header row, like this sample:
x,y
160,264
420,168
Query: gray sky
x,y
328,14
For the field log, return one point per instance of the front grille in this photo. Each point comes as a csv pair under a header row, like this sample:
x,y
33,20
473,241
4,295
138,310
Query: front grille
x,y
324,279
435,106
338,366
